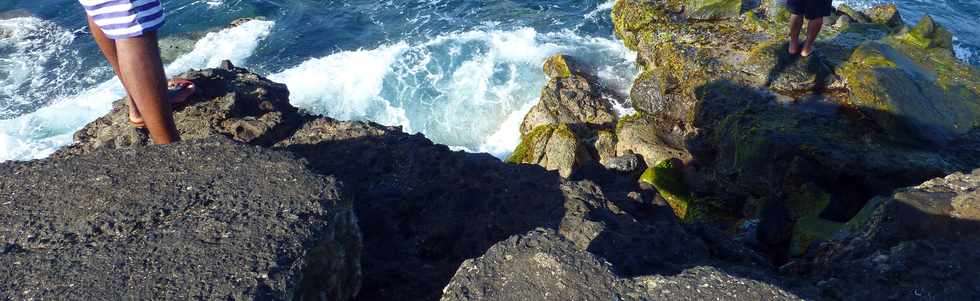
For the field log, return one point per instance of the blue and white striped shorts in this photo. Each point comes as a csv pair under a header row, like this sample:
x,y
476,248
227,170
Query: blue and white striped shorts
x,y
120,19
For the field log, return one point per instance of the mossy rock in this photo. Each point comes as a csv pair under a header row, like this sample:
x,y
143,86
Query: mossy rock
x,y
811,230
928,34
885,14
554,147
852,13
627,119
928,94
668,179
712,9
807,200
524,153
752,22
631,17
557,66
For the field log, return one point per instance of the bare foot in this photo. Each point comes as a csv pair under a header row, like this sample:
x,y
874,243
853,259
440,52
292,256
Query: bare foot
x,y
178,94
807,50
794,48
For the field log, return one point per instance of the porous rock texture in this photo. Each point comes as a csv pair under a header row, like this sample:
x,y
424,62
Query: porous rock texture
x,y
543,265
208,219
921,242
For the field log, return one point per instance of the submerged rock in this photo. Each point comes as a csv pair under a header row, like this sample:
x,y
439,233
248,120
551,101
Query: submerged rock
x,y
207,219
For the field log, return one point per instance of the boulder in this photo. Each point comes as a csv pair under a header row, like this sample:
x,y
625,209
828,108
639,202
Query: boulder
x,y
568,98
904,96
542,265
205,219
644,135
928,34
919,242
885,14
569,126
554,147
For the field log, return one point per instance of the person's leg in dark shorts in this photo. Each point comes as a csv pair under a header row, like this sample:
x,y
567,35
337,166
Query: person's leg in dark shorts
x,y
813,11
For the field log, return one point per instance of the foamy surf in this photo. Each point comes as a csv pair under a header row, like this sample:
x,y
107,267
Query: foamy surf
x,y
469,90
40,133
29,65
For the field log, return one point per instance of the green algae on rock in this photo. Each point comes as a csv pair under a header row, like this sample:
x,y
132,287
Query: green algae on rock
x,y
556,66
753,119
712,9
668,179
554,147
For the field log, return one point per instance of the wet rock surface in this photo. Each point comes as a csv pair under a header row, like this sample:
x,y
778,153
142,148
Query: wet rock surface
x,y
206,219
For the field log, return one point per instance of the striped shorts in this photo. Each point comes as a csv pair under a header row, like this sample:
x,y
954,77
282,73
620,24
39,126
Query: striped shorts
x,y
121,19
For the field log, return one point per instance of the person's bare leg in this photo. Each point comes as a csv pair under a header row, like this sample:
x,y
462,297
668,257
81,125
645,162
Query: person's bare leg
x,y
795,25
812,30
141,70
108,47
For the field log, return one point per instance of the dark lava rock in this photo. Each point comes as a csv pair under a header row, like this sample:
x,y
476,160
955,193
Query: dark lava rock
x,y
229,102
920,243
195,220
542,265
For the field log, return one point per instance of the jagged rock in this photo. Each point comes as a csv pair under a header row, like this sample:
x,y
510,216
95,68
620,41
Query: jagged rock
x,y
229,102
207,219
568,127
928,34
605,145
919,243
886,14
554,147
542,265
646,136
628,163
568,98
939,208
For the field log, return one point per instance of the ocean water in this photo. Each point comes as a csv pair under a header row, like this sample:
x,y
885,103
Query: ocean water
x,y
462,72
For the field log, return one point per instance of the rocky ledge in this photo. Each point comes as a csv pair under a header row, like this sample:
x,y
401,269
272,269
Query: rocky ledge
x,y
723,186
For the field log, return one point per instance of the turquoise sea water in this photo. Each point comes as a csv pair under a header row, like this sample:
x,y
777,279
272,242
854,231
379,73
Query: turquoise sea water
x,y
463,72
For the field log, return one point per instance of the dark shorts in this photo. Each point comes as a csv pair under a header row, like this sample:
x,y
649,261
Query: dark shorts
x,y
810,9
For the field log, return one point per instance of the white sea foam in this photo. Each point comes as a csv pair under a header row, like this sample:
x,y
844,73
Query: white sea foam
x,y
962,52
40,133
27,72
346,85
469,90
604,7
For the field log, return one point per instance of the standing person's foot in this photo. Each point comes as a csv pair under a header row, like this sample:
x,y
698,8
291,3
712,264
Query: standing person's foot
x,y
794,48
807,51
181,91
